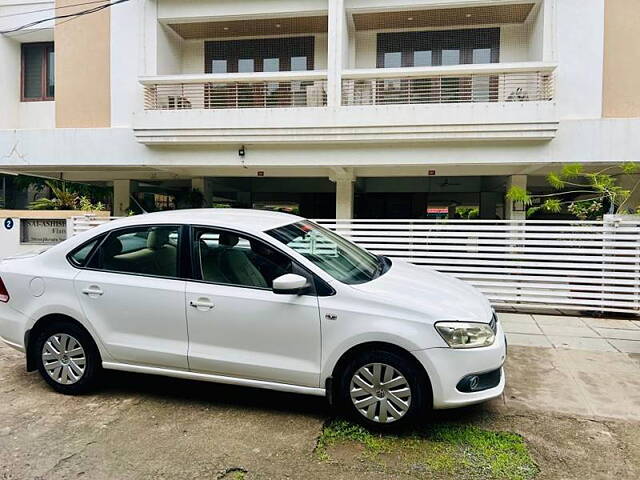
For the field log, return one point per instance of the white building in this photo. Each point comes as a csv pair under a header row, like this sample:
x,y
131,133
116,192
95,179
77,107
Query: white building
x,y
372,108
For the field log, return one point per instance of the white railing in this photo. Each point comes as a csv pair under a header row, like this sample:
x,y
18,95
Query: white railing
x,y
86,222
459,84
225,91
523,265
588,266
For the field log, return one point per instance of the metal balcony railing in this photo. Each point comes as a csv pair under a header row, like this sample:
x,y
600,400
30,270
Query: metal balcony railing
x,y
232,91
437,85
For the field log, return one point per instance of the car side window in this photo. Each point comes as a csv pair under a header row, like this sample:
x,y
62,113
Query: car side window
x,y
232,259
144,250
80,255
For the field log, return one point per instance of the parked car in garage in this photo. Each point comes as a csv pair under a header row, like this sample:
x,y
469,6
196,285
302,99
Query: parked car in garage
x,y
252,298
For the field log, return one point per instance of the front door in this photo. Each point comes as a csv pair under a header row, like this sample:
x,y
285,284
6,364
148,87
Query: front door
x,y
133,298
237,326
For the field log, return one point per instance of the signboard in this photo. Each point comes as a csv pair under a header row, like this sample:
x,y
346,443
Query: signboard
x,y
43,232
8,223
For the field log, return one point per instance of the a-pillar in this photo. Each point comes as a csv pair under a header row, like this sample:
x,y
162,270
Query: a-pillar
x,y
509,212
344,180
122,190
203,185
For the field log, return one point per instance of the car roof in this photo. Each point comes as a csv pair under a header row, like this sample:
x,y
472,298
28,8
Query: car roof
x,y
234,218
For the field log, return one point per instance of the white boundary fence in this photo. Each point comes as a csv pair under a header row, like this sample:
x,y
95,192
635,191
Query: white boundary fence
x,y
560,265
522,265
86,222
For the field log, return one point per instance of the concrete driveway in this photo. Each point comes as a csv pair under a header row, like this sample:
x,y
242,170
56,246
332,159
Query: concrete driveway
x,y
578,411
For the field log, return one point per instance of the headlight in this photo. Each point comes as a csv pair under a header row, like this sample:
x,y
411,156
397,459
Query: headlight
x,y
466,334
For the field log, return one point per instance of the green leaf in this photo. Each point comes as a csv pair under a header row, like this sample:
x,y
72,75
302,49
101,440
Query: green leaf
x,y
571,170
555,181
519,194
552,205
629,167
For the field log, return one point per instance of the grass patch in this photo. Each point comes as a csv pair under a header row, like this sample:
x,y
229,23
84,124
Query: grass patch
x,y
463,451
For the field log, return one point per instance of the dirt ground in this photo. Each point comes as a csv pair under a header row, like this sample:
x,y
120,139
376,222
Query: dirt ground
x,y
143,427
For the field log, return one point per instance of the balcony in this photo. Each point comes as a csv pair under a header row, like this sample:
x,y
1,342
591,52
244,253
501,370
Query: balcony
x,y
437,74
234,91
438,85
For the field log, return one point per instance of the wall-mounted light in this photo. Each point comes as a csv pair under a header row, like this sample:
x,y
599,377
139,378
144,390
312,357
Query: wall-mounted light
x,y
241,151
278,25
410,19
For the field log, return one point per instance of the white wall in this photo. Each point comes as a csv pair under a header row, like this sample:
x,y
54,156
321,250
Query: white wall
x,y
176,9
128,57
37,115
169,51
9,82
580,51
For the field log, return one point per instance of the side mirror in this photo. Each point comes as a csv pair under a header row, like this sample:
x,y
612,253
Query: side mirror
x,y
290,284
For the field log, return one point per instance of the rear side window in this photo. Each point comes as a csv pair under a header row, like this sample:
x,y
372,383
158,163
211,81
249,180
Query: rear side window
x,y
80,256
145,250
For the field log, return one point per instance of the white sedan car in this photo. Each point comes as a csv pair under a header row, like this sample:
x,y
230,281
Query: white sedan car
x,y
252,298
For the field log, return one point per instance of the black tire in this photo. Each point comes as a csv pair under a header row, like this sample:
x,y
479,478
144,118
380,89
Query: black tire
x,y
419,385
93,362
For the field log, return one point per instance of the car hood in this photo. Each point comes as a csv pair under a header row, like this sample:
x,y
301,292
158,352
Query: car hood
x,y
433,294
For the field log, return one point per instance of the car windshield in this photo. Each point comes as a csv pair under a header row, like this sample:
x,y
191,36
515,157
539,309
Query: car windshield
x,y
337,256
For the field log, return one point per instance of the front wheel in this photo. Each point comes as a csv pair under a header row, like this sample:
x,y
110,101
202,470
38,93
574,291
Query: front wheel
x,y
67,357
383,389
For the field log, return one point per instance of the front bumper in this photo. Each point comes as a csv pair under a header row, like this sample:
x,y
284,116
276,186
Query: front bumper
x,y
446,368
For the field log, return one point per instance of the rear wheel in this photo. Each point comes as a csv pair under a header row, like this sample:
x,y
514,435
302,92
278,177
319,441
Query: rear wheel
x,y
67,358
383,389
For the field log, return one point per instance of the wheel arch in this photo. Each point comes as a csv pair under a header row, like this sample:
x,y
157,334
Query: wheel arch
x,y
355,350
32,334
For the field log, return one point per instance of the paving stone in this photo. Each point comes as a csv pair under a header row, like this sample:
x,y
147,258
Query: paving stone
x,y
563,331
626,346
518,327
611,323
581,343
558,320
525,340
516,318
619,334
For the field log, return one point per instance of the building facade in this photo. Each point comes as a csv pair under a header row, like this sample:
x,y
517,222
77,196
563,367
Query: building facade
x,y
332,108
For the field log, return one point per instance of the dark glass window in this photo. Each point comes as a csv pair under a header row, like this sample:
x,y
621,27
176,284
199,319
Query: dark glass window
x,y
228,258
38,72
443,47
261,55
142,250
81,254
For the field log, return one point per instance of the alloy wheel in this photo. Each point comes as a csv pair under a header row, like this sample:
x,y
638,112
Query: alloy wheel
x,y
64,359
380,393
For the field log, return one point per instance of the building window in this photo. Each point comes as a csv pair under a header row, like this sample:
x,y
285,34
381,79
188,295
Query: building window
x,y
260,55
38,72
434,48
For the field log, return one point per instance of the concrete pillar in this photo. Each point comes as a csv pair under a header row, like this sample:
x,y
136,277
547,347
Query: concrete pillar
x,y
203,185
344,198
509,213
122,190
344,180
338,45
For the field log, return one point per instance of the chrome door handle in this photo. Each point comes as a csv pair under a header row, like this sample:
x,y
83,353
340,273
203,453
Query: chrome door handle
x,y
93,291
202,304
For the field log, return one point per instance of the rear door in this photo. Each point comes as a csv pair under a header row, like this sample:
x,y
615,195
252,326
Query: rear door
x,y
132,295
